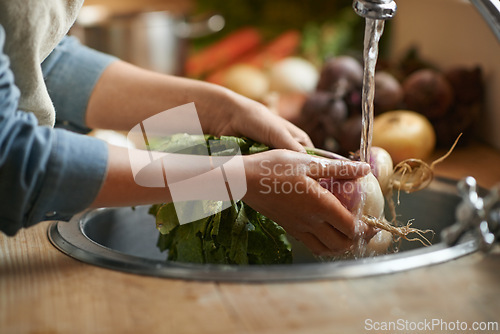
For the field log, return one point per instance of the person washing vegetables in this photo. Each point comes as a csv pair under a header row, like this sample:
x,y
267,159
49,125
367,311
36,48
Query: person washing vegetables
x,y
48,172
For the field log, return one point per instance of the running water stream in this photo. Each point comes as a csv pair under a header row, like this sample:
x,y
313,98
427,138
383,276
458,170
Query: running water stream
x,y
373,31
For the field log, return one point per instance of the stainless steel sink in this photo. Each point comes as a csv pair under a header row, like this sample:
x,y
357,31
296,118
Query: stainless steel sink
x,y
125,239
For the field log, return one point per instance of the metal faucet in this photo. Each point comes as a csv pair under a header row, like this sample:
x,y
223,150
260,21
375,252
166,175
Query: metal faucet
x,y
386,9
481,216
375,9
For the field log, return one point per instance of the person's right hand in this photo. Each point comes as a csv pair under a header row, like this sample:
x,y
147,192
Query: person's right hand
x,y
282,185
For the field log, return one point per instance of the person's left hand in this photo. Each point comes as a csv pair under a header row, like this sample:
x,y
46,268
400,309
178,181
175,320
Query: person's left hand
x,y
241,116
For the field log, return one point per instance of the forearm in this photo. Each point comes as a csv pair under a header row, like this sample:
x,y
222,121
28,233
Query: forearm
x,y
119,187
136,177
126,95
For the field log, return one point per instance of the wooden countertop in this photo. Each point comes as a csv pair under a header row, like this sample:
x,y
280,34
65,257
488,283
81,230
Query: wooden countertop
x,y
45,291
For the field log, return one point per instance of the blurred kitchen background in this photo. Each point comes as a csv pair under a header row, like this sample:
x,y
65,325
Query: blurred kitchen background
x,y
276,51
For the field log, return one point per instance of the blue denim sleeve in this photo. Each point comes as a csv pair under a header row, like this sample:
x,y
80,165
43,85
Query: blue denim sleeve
x,y
42,170
71,72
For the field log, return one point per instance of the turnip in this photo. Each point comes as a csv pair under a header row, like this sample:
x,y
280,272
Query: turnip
x,y
382,168
409,175
365,198
351,193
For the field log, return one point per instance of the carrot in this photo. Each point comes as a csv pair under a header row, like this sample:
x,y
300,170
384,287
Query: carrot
x,y
282,46
223,52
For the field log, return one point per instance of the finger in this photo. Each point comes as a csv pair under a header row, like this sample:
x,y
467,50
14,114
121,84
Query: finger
x,y
329,209
281,138
339,169
313,243
299,135
332,238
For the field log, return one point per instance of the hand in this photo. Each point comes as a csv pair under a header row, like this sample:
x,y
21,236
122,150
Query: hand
x,y
282,185
237,115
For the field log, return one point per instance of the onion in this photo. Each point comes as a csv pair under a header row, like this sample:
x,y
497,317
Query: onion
x,y
404,134
293,75
247,80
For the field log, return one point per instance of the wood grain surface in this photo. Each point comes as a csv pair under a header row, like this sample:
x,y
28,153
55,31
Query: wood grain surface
x,y
44,291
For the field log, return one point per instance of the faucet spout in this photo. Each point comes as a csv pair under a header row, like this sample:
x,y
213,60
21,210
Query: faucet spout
x,y
375,9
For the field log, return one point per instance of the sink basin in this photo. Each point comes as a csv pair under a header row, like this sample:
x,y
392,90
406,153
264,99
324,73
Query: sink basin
x,y
125,239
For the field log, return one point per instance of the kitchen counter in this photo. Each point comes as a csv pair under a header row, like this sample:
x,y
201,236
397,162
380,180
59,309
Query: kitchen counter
x,y
44,291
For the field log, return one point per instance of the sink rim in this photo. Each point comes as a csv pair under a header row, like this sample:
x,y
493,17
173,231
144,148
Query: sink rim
x,y
69,237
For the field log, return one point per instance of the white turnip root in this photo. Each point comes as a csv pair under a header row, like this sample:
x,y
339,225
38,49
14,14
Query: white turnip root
x,y
389,179
351,192
364,198
382,168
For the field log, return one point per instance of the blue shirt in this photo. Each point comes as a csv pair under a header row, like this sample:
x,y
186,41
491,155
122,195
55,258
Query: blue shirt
x,y
48,173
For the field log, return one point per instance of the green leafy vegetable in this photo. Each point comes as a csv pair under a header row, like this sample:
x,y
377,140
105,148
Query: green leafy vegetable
x,y
235,235
332,38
